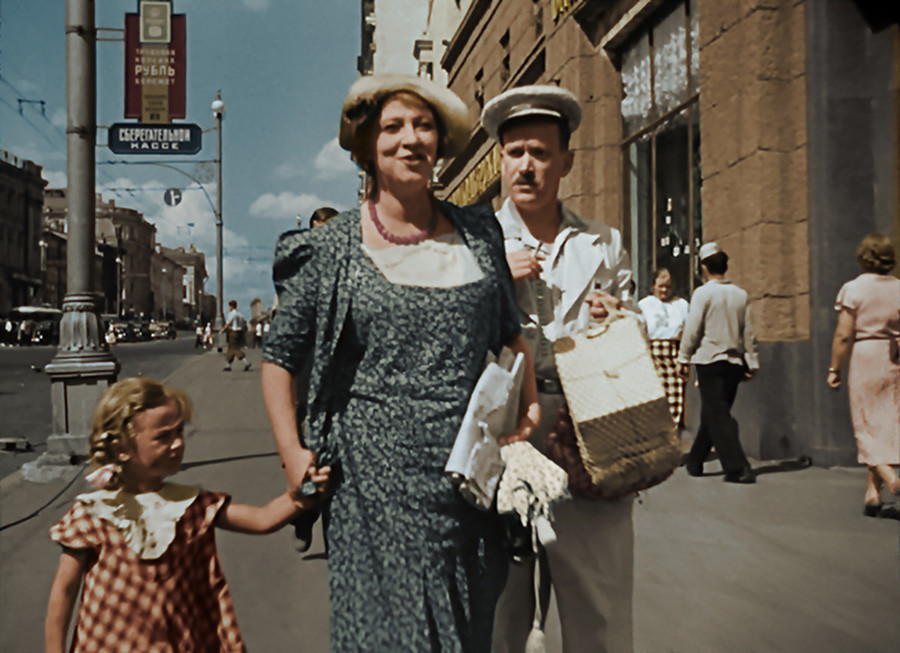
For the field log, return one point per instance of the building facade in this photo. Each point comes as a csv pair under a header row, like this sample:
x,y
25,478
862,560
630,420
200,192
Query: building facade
x,y
389,32
195,276
770,126
21,205
167,287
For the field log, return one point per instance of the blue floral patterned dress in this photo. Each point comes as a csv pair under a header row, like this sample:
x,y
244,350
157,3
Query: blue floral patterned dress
x,y
412,566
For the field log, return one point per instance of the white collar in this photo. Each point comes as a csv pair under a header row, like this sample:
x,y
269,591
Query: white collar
x,y
147,521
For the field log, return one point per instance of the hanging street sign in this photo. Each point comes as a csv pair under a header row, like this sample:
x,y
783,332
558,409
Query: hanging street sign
x,y
176,138
172,197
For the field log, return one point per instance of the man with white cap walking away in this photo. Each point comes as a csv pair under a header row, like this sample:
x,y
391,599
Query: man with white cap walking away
x,y
718,340
563,268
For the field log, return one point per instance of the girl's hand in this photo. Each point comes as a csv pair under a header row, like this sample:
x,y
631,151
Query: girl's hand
x,y
833,379
321,477
300,466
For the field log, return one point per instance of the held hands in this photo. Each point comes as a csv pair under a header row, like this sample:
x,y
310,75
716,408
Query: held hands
x,y
595,300
833,379
684,370
524,264
310,492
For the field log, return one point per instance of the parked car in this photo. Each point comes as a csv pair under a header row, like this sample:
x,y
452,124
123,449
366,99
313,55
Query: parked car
x,y
124,331
160,329
141,330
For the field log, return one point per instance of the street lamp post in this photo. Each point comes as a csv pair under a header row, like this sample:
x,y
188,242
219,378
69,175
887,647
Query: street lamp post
x,y
83,366
218,109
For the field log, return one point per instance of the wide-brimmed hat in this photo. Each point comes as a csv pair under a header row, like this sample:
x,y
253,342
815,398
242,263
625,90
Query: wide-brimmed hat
x,y
366,94
534,100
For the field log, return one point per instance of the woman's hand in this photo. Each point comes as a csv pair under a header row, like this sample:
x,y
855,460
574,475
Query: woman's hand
x,y
597,300
833,379
524,265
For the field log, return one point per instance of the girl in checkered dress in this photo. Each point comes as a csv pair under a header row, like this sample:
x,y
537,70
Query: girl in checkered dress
x,y
145,549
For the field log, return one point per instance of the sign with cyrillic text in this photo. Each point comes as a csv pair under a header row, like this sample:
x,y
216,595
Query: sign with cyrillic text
x,y
176,138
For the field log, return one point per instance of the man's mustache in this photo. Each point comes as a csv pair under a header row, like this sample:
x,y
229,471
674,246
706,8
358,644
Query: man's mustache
x,y
526,178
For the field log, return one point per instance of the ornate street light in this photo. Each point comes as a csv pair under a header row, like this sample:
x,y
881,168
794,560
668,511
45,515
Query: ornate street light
x,y
218,110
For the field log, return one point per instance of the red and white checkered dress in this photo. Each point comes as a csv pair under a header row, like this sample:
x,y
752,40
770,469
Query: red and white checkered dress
x,y
178,602
665,356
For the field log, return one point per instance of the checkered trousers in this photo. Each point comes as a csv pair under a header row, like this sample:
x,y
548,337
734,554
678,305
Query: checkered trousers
x,y
178,602
665,355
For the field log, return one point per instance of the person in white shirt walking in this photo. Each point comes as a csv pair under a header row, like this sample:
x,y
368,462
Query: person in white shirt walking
x,y
718,340
236,328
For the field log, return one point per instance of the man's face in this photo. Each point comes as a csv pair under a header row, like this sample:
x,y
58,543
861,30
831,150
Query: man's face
x,y
533,163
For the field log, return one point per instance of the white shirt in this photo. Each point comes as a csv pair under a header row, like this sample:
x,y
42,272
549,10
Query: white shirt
x,y
582,258
664,320
230,320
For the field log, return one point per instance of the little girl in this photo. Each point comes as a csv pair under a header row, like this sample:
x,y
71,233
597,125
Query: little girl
x,y
145,548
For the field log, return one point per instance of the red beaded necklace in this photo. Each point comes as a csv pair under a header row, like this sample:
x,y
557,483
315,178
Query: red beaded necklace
x,y
402,240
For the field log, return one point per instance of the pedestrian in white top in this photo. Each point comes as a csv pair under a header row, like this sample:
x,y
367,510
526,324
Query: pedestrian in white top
x,y
664,316
563,269
718,340
236,328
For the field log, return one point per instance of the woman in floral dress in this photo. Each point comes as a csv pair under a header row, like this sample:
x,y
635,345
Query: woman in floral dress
x,y
398,302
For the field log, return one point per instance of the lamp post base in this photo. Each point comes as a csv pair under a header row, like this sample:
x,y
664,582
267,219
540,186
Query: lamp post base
x,y
80,373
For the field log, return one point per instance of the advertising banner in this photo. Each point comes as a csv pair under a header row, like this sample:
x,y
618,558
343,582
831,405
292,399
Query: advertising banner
x,y
155,72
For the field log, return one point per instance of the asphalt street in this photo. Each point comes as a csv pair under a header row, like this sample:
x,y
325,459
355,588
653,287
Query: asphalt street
x,y
25,390
789,565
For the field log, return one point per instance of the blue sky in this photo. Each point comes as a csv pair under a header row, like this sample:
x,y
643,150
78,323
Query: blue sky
x,y
283,68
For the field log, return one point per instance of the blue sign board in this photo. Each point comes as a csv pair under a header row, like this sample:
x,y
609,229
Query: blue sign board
x,y
137,138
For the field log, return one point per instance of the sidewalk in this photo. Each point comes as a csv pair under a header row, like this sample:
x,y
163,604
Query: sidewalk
x,y
789,564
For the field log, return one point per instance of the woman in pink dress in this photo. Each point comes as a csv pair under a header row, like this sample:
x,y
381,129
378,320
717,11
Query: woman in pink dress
x,y
869,321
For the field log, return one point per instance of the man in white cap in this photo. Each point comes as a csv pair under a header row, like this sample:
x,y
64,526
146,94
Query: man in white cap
x,y
718,340
563,269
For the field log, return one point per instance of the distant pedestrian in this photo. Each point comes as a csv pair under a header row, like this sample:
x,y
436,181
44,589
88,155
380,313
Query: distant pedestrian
x,y
869,322
257,334
111,335
236,330
199,341
145,549
208,336
664,314
718,340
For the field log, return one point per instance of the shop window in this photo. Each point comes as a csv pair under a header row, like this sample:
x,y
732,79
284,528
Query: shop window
x,y
660,113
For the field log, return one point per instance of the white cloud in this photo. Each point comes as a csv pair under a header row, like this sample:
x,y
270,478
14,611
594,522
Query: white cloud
x,y
59,118
286,205
332,161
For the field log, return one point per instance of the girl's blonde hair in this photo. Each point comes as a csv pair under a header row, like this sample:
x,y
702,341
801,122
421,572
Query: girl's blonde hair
x,y
115,412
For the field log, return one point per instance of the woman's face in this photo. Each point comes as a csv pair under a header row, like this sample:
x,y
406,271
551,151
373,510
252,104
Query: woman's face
x,y
406,143
662,287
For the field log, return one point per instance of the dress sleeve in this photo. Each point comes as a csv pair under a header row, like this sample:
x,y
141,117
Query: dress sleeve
x,y
211,504
296,276
509,323
847,297
77,529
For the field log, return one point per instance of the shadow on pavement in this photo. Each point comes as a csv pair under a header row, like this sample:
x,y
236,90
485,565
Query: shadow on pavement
x,y
217,461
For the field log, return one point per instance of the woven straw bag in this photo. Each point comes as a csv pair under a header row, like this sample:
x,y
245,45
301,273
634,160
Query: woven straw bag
x,y
625,434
